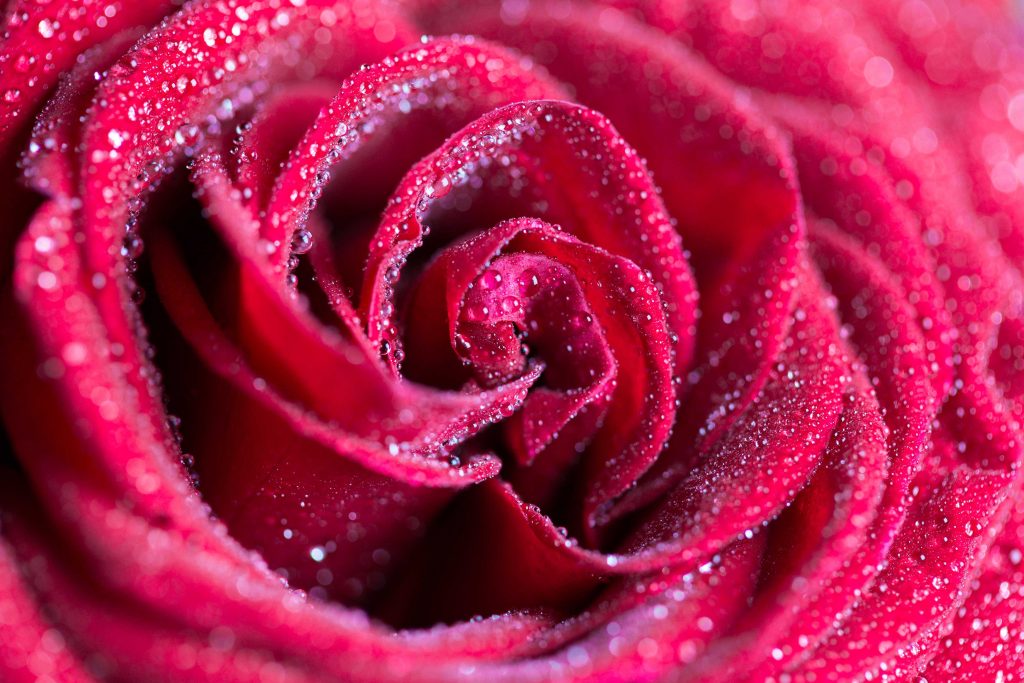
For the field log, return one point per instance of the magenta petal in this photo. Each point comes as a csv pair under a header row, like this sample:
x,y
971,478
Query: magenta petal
x,y
769,455
735,198
662,635
314,371
924,582
33,30
29,646
643,238
279,340
393,89
982,641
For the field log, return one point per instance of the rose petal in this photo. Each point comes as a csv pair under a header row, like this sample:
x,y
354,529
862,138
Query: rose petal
x,y
929,570
575,133
745,251
29,646
61,33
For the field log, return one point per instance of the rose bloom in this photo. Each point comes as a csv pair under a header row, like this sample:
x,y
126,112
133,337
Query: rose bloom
x,y
356,340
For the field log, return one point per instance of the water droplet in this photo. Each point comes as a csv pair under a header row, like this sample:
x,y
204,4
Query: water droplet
x,y
132,246
187,134
529,282
511,304
440,188
490,279
302,241
46,28
476,312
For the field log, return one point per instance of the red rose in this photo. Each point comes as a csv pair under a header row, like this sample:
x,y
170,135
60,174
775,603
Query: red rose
x,y
559,341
